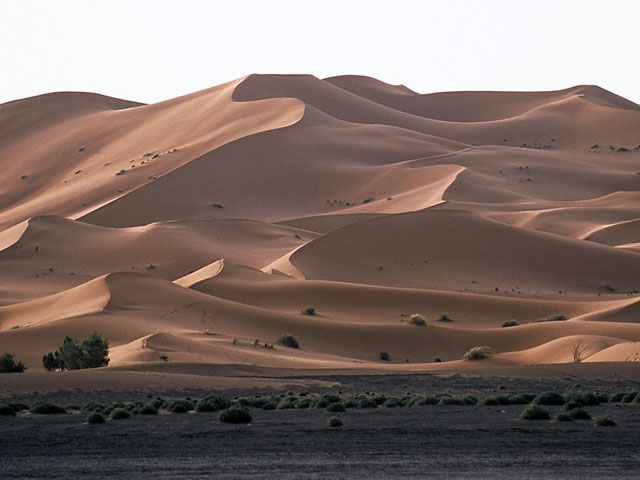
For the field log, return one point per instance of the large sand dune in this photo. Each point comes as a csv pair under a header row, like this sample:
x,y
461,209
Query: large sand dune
x,y
193,232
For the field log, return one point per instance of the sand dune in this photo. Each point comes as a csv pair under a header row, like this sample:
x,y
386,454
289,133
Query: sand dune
x,y
193,233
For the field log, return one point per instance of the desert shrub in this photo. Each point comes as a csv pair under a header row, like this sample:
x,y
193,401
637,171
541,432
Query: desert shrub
x,y
579,414
188,405
629,397
552,318
212,403
563,417
45,408
290,402
617,397
605,421
367,403
235,414
147,409
477,353
178,408
255,402
510,323
95,417
350,403
18,406
7,410
492,401
384,356
426,400
417,319
309,311
445,318
332,398
269,406
602,397
535,412
336,408
91,353
451,401
120,414
519,399
571,405
289,341
391,402
334,421
9,365
93,407
305,403
379,399
583,398
549,398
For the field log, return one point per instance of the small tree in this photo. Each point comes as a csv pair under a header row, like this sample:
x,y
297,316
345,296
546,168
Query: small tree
x,y
578,351
51,361
95,351
9,365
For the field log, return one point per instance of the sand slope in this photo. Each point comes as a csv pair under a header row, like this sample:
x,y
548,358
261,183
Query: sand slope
x,y
192,233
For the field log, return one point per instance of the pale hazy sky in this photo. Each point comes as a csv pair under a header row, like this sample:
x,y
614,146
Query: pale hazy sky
x,y
152,50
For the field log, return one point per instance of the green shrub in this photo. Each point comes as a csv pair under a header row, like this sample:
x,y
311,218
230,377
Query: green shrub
x,y
334,421
95,417
417,319
212,403
9,365
235,414
563,417
571,405
19,406
309,311
451,401
629,397
549,398
535,412
425,400
305,403
7,410
519,399
583,398
93,407
605,421
391,402
492,401
336,408
445,318
510,323
367,403
617,397
470,399
120,414
186,404
384,356
147,409
552,318
269,406
45,408
477,353
579,414
289,341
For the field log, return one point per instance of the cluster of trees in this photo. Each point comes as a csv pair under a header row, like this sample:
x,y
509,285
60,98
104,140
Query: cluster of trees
x,y
71,355
9,365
